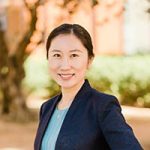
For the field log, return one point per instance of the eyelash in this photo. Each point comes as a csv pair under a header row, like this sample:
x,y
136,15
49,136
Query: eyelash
x,y
72,55
56,55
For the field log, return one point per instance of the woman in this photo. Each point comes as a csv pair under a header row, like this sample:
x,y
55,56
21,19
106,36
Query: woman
x,y
80,118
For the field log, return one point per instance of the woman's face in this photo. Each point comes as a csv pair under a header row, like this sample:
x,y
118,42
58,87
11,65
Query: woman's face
x,y
68,60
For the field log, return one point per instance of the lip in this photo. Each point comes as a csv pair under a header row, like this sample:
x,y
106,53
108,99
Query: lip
x,y
66,76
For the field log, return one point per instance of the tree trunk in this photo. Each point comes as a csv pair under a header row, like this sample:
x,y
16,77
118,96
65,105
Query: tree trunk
x,y
12,72
11,76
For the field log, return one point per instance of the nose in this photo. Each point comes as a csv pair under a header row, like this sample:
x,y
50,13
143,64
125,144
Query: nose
x,y
65,64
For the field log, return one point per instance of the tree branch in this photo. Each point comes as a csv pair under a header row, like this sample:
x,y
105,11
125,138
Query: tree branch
x,y
26,39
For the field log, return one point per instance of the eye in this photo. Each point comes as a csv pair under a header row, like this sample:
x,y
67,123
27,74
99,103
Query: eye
x,y
74,55
56,55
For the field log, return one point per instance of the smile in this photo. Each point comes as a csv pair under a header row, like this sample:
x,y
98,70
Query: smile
x,y
66,76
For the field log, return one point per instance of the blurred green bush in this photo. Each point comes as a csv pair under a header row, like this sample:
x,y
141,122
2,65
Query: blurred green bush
x,y
38,80
126,77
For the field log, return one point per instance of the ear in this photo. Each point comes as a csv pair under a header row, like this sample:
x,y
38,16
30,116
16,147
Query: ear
x,y
90,60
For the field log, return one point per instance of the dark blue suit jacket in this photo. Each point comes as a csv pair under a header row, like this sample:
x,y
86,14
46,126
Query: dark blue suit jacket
x,y
93,122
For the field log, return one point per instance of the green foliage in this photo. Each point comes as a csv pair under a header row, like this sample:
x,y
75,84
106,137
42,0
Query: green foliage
x,y
38,79
53,88
126,77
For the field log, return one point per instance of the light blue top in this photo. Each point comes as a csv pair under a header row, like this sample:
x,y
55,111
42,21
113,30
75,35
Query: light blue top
x,y
53,128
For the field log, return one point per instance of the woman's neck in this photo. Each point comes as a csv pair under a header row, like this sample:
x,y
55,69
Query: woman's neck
x,y
69,94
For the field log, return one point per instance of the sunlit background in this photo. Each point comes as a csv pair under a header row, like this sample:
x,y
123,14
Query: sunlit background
x,y
120,31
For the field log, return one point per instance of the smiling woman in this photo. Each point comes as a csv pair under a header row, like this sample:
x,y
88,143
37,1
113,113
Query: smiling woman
x,y
68,62
80,118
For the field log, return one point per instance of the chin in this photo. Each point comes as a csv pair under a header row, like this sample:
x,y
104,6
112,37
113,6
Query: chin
x,y
67,85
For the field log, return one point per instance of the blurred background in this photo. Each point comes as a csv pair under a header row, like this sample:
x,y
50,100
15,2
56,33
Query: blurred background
x,y
120,31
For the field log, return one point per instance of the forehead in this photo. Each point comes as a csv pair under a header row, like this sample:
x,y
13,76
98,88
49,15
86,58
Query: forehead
x,y
67,42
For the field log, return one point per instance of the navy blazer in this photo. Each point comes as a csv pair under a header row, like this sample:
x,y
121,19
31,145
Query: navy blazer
x,y
93,122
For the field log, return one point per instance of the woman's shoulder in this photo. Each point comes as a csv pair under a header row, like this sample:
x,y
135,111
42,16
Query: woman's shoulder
x,y
102,99
102,95
104,103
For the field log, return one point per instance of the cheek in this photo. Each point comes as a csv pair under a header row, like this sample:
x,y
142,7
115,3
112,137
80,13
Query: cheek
x,y
81,65
53,66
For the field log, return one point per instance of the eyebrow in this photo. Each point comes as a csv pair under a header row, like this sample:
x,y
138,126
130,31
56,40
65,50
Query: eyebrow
x,y
55,50
73,50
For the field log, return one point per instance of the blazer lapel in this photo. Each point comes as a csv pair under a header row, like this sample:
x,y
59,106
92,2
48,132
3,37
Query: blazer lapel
x,y
44,123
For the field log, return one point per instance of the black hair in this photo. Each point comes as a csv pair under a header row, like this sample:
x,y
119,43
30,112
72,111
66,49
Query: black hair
x,y
76,29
